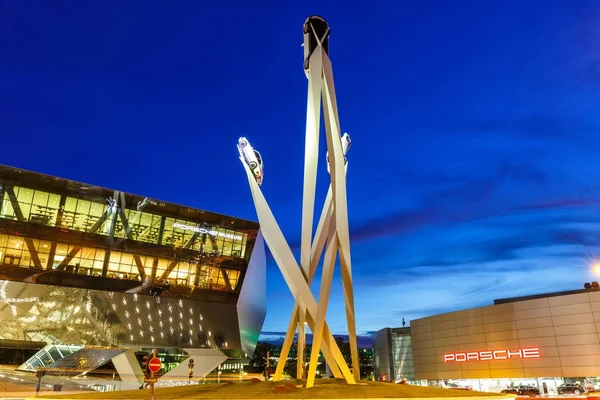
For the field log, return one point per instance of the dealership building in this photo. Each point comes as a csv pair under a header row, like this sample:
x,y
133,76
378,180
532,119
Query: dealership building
x,y
91,275
540,340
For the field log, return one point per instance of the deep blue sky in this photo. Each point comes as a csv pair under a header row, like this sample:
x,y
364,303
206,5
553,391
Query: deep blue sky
x,y
474,170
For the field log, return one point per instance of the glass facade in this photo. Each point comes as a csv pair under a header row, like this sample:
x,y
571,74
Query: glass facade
x,y
51,227
393,356
48,355
402,356
89,271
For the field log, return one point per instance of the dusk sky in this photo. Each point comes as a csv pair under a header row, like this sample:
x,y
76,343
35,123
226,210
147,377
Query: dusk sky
x,y
474,172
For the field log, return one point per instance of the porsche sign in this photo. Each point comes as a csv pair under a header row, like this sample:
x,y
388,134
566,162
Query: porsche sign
x,y
490,355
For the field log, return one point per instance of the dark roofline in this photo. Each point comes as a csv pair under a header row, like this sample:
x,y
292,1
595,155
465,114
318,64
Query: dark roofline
x,y
404,330
71,181
544,295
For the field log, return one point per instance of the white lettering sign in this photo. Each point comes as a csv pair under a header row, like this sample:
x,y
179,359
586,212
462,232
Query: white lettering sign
x,y
488,355
209,232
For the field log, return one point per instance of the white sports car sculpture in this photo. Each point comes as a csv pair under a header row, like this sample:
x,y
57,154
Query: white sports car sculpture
x,y
346,143
252,158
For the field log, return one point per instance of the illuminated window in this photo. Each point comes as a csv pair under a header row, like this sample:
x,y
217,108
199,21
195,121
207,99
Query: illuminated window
x,y
11,250
6,209
89,261
25,198
233,277
144,227
82,215
162,267
43,249
44,208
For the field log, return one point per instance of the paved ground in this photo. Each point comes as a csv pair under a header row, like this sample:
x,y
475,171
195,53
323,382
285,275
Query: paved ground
x,y
325,389
18,385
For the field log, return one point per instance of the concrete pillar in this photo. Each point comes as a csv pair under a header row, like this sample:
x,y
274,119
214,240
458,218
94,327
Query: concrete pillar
x,y
129,370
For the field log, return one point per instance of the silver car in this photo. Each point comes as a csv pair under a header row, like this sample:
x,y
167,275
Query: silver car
x,y
252,158
346,143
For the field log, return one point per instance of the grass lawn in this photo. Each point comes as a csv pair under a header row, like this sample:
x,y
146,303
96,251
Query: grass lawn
x,y
325,388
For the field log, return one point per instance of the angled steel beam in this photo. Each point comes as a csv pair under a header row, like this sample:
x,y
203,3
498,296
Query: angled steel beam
x,y
175,261
292,274
315,255
10,191
140,267
311,161
326,279
33,253
68,258
338,180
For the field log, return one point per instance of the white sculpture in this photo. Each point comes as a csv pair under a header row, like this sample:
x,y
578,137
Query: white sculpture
x,y
332,230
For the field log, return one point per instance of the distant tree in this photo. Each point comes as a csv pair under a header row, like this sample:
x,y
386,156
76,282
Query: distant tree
x,y
365,357
259,360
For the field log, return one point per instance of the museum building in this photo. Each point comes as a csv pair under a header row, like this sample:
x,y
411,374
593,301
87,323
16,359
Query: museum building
x,y
89,270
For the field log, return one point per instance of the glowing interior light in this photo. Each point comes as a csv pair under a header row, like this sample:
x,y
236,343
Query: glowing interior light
x,y
212,232
488,355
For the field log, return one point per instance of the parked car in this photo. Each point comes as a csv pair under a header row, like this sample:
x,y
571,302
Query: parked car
x,y
523,390
571,388
457,387
252,158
